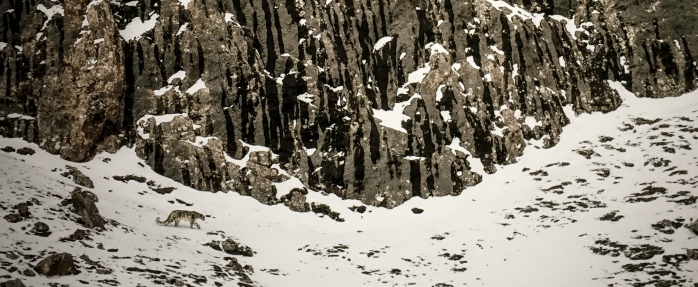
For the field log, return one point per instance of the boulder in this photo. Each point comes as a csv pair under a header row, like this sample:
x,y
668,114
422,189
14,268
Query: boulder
x,y
40,228
28,273
78,177
84,206
79,234
13,218
25,151
233,248
263,158
296,200
325,209
59,264
12,283
693,226
23,209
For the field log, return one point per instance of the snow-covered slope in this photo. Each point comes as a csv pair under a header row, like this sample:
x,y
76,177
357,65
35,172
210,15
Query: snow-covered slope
x,y
533,223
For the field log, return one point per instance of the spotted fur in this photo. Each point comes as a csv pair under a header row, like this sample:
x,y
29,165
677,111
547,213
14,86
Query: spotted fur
x,y
178,215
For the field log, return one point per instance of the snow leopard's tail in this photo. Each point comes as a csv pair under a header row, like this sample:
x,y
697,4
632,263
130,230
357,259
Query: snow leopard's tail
x,y
157,220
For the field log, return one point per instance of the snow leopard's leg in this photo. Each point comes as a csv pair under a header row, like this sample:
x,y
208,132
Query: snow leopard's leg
x,y
176,222
193,222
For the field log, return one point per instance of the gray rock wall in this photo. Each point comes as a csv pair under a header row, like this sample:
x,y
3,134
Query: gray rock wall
x,y
453,86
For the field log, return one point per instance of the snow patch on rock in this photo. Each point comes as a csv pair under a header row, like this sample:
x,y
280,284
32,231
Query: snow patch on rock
x,y
200,84
136,28
381,42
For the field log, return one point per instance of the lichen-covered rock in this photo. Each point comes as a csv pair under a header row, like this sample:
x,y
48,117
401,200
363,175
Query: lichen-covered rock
x,y
376,100
296,200
60,264
231,247
84,206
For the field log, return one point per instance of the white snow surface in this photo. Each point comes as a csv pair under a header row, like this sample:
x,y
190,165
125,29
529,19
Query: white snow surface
x,y
20,116
182,29
516,11
472,63
178,75
136,28
185,3
381,42
393,118
570,26
307,98
162,91
50,12
418,75
158,120
200,84
546,247
436,48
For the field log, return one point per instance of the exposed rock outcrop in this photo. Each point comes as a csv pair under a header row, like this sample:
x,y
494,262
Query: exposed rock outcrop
x,y
84,205
377,100
59,264
78,177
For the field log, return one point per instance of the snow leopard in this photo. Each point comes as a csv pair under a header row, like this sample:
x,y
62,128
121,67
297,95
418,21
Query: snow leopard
x,y
178,215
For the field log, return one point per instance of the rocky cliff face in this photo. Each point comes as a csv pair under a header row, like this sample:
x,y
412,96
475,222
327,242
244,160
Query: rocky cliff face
x,y
374,100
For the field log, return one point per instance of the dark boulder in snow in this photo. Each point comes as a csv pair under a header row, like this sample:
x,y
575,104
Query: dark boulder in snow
x,y
23,209
693,226
8,149
12,283
84,205
79,234
28,272
41,229
359,209
295,200
60,264
78,177
25,151
13,218
231,247
326,210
